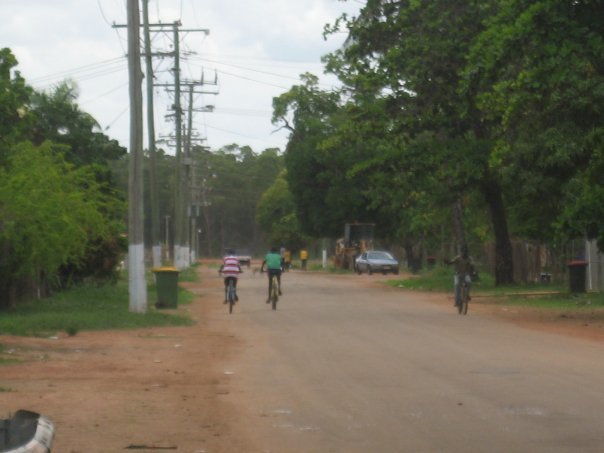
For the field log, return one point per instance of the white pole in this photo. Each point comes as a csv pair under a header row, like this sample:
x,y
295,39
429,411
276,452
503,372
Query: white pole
x,y
136,247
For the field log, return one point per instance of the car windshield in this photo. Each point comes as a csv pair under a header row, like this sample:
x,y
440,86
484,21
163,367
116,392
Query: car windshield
x,y
379,256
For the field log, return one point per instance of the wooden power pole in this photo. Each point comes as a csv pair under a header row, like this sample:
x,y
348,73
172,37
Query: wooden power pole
x,y
136,243
155,215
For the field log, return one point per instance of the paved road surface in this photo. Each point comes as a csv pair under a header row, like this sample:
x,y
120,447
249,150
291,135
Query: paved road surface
x,y
345,365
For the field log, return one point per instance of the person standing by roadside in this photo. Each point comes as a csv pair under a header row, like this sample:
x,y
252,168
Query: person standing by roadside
x,y
303,258
287,260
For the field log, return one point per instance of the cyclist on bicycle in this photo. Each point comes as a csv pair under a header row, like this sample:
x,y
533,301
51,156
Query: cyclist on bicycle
x,y
230,269
463,269
273,262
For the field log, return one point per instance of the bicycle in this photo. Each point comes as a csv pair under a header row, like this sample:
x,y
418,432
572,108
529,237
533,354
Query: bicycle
x,y
464,296
274,295
231,294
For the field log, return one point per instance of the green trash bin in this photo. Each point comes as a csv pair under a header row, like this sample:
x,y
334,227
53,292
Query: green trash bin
x,y
166,283
576,275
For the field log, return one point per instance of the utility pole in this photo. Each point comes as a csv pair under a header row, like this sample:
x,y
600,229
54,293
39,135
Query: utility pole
x,y
180,253
181,242
155,220
189,199
179,230
136,244
190,219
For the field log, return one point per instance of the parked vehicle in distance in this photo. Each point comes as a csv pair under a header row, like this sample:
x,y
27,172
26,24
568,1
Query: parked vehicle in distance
x,y
244,256
376,261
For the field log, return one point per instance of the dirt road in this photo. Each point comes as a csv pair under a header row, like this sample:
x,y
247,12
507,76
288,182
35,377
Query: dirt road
x,y
343,365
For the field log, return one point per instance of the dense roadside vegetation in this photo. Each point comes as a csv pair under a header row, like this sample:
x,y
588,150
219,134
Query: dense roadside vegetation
x,y
61,215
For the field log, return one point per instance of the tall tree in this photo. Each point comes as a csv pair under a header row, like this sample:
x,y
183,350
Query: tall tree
x,y
538,74
15,118
409,56
318,170
276,215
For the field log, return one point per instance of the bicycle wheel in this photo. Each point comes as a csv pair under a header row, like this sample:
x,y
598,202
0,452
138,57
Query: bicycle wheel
x,y
466,301
463,303
231,296
274,293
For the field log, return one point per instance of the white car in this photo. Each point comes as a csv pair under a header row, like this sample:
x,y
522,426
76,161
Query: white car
x,y
376,261
244,257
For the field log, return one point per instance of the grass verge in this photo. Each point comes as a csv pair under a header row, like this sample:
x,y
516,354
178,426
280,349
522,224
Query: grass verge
x,y
89,307
535,295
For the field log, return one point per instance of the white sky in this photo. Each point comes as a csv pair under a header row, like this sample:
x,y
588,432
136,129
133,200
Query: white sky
x,y
257,49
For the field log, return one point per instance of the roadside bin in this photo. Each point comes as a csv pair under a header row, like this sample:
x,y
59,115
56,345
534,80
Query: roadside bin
x,y
576,274
166,283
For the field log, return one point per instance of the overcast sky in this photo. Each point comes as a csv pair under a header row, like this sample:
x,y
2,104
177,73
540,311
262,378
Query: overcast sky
x,y
256,48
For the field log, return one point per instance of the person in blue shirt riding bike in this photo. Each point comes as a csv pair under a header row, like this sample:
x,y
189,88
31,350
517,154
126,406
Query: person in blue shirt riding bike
x,y
274,263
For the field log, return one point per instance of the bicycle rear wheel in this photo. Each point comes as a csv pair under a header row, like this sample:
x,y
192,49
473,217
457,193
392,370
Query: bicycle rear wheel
x,y
463,303
231,296
274,293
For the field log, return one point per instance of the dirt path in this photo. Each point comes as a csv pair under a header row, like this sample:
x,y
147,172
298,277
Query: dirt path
x,y
106,391
167,388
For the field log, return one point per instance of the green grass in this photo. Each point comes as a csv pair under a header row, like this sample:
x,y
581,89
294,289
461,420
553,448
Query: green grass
x,y
88,307
537,295
4,361
189,274
561,301
439,279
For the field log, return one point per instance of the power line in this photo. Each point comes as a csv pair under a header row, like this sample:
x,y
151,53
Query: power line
x,y
265,59
113,90
254,80
112,122
251,70
241,112
79,69
238,134
273,74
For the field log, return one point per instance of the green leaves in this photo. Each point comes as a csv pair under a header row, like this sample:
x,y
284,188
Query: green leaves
x,y
533,71
49,208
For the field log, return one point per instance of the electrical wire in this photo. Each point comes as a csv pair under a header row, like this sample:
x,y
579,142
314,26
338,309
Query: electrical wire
x,y
112,122
253,80
113,90
238,134
287,77
98,2
250,69
81,69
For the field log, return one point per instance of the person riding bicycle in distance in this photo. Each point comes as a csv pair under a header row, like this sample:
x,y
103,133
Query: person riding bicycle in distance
x,y
230,269
273,263
463,269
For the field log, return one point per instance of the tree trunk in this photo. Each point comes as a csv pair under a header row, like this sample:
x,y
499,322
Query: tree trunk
x,y
458,228
413,261
504,264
